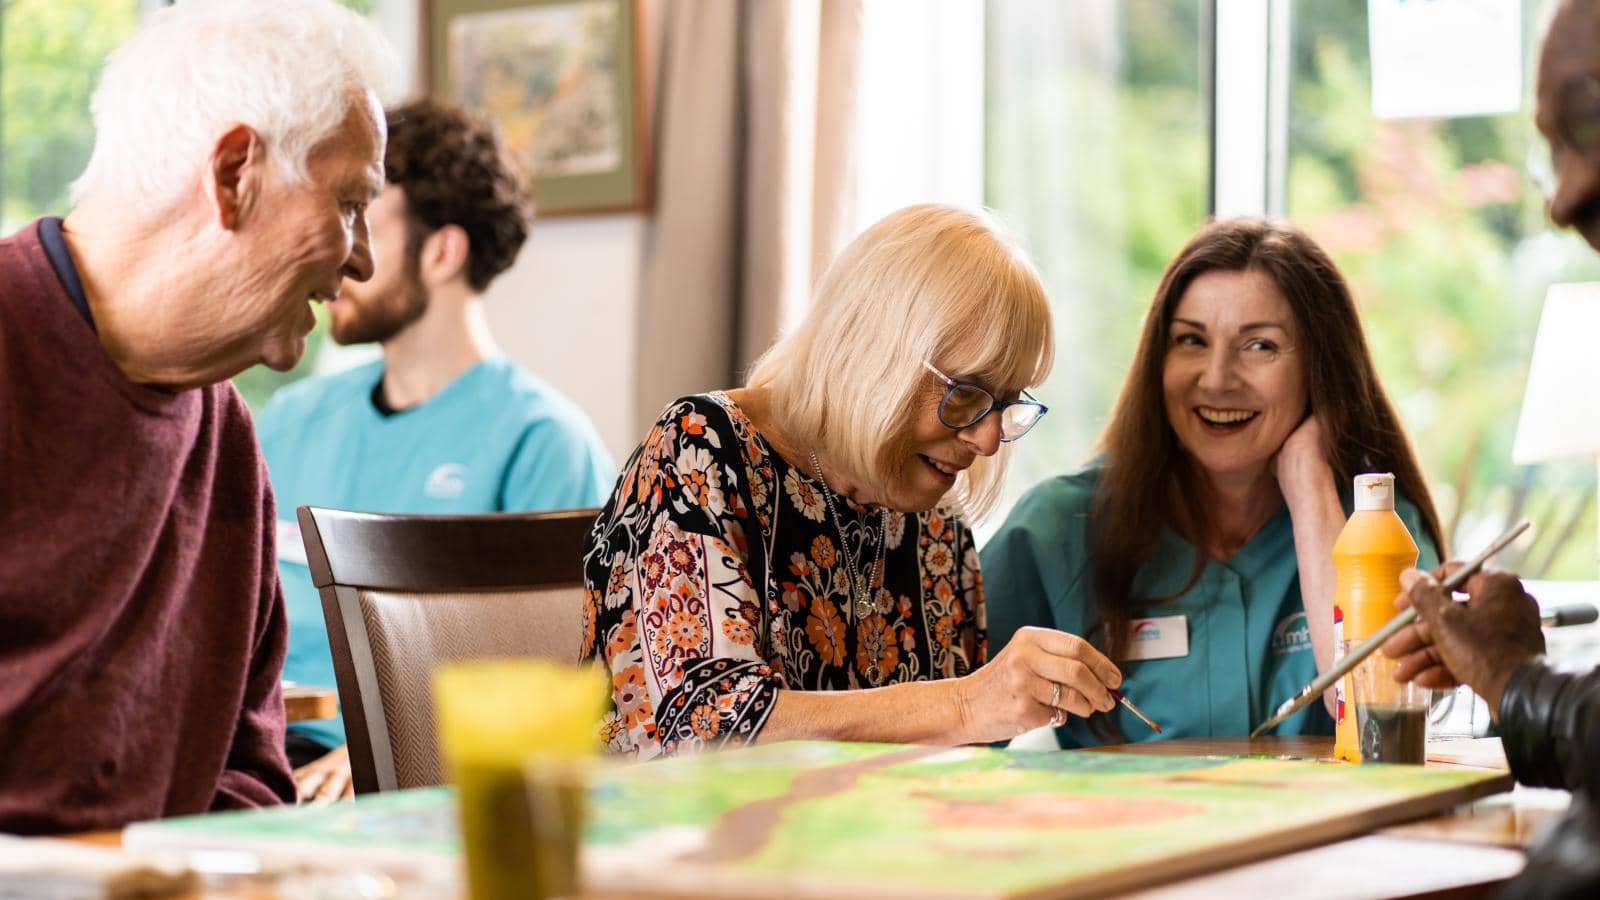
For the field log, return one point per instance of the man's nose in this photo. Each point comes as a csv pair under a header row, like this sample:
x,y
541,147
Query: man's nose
x,y
358,266
1577,184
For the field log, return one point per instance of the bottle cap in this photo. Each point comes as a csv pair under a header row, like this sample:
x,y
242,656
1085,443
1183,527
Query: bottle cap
x,y
1375,490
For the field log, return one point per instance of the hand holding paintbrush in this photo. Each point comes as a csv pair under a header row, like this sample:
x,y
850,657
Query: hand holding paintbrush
x,y
1352,659
1478,643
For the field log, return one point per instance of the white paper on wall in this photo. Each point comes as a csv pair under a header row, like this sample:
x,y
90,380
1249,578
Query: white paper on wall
x,y
1443,58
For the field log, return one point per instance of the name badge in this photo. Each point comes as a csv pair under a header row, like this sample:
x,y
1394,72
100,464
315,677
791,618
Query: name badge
x,y
290,547
1163,637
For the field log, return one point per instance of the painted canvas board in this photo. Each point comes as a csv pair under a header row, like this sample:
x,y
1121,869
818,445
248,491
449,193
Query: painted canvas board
x,y
821,819
838,820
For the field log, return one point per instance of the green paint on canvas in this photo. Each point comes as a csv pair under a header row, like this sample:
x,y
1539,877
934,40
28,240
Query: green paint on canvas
x,y
864,818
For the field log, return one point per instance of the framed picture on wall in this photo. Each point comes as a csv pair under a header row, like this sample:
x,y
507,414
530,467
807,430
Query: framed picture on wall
x,y
563,80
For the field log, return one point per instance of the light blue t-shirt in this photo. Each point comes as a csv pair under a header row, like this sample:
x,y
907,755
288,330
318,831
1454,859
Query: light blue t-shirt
x,y
495,439
1249,647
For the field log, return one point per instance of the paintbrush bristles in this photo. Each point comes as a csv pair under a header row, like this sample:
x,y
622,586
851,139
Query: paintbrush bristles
x,y
1135,710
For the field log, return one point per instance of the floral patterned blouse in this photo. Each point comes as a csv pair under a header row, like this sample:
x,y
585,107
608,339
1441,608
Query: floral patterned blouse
x,y
715,577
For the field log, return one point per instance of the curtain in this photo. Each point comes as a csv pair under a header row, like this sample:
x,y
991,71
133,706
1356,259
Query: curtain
x,y
755,183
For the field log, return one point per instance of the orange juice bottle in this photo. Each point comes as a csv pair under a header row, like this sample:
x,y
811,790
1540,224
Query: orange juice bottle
x,y
1371,552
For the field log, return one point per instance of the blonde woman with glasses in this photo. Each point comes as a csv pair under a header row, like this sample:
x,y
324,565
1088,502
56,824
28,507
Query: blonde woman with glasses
x,y
791,559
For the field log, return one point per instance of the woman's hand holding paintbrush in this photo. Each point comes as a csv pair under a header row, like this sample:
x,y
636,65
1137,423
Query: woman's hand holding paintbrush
x,y
1039,678
1478,643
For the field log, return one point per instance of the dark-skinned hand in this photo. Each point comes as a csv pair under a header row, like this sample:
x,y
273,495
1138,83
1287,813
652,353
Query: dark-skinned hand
x,y
1478,643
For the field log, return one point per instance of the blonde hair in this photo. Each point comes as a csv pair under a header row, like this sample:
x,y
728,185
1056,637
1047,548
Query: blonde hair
x,y
929,283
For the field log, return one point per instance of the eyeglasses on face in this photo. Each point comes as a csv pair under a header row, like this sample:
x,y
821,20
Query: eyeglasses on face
x,y
965,404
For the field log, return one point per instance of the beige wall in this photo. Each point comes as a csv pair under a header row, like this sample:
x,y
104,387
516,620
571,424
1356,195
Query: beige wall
x,y
567,311
569,307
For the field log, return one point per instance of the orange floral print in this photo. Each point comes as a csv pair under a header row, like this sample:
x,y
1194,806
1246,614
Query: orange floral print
x,y
715,578
686,631
826,631
629,694
625,637
822,551
591,609
705,721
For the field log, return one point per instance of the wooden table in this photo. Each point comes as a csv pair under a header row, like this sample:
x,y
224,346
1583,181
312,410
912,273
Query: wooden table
x,y
1467,852
302,702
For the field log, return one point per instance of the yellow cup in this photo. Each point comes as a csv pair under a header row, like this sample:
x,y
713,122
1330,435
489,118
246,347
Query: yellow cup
x,y
517,735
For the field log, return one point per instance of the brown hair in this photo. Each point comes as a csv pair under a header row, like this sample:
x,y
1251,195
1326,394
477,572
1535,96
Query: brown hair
x,y
1148,477
455,169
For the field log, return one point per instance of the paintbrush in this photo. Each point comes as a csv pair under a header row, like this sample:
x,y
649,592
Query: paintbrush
x,y
1352,659
1118,696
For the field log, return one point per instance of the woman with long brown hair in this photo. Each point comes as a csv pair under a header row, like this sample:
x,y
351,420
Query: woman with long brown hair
x,y
1195,550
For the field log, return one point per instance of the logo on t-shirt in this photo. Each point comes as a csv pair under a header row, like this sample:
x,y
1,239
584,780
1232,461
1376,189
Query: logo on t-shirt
x,y
447,482
1291,635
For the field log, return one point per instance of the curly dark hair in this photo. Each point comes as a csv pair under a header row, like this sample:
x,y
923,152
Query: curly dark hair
x,y
455,169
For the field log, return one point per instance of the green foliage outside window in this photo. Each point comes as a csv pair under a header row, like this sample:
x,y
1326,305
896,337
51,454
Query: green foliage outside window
x,y
1097,155
1446,245
50,57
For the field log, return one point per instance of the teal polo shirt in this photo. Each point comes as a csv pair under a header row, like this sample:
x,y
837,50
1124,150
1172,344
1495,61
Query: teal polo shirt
x,y
1249,645
496,439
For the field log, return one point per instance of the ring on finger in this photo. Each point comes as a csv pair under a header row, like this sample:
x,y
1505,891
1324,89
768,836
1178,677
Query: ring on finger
x,y
1055,695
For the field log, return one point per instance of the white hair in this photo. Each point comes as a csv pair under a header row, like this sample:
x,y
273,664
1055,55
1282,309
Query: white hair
x,y
289,69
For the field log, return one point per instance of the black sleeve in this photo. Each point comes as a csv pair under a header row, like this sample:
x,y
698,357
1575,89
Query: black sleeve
x,y
1550,725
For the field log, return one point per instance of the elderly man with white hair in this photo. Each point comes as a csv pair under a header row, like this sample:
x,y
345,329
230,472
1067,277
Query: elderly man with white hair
x,y
142,630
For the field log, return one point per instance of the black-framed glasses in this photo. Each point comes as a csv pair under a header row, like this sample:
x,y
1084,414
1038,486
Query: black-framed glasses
x,y
965,404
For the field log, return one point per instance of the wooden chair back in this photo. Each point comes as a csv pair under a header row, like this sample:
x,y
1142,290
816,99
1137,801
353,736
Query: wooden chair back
x,y
404,593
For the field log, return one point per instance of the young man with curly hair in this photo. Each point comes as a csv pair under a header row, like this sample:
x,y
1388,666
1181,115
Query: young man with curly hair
x,y
443,423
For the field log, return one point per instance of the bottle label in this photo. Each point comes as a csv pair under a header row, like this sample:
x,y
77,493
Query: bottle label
x,y
1338,654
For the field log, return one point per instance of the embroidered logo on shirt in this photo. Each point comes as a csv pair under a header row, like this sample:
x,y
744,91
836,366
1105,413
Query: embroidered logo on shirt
x,y
1291,635
447,482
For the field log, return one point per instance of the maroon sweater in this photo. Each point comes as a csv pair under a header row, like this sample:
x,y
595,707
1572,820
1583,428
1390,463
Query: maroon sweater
x,y
142,628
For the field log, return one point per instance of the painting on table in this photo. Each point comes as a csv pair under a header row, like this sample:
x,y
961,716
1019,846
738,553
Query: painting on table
x,y
821,819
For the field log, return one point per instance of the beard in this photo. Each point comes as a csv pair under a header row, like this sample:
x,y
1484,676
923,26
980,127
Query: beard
x,y
378,319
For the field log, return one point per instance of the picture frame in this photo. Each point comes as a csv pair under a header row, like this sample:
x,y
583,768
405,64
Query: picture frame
x,y
564,80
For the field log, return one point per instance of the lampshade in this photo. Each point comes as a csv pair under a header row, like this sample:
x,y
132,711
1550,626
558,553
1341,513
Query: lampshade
x,y
1561,407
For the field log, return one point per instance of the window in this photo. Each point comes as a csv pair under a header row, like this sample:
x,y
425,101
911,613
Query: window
x,y
50,57
1100,151
1446,245
1098,155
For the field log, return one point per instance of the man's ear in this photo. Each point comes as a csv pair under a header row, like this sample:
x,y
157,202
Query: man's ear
x,y
233,175
444,254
